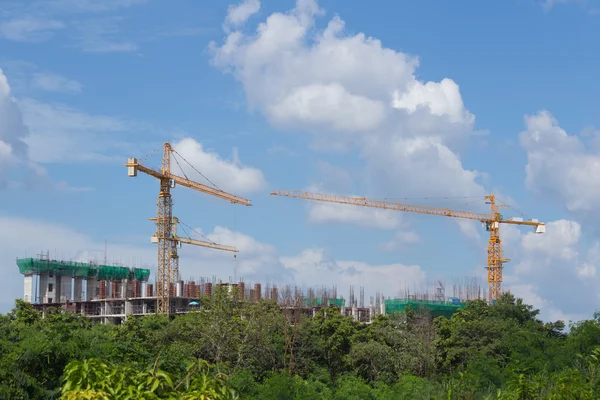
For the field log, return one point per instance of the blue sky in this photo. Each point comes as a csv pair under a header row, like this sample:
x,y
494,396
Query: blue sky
x,y
422,102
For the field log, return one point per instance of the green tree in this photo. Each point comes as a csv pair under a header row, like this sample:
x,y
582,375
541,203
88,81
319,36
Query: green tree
x,y
93,379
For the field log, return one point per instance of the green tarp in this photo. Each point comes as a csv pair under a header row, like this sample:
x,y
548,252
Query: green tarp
x,y
80,270
141,274
32,265
436,308
319,302
107,273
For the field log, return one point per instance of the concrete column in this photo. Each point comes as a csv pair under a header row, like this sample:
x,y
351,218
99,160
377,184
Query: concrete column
x,y
77,289
92,289
128,308
66,285
125,288
28,295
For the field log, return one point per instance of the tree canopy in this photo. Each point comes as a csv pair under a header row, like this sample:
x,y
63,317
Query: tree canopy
x,y
230,349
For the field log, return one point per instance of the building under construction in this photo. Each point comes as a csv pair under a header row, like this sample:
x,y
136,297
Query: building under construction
x,y
111,293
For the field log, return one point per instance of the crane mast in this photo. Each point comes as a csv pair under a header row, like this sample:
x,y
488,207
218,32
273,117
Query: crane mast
x,y
166,225
492,222
168,259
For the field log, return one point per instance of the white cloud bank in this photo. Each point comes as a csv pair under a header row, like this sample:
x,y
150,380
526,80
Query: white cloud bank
x,y
13,132
257,261
554,271
351,92
561,165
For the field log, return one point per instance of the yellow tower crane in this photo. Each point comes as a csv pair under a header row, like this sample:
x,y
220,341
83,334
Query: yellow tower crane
x,y
492,223
166,225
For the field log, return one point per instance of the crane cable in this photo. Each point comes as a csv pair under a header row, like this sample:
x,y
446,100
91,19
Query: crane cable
x,y
194,168
195,231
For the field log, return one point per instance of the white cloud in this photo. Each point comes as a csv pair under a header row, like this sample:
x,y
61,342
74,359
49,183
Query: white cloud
x,y
61,134
29,29
15,152
401,240
330,106
13,133
554,272
103,35
229,175
441,98
471,229
335,178
560,165
313,266
281,149
55,83
350,92
238,14
420,166
341,213
256,261
587,270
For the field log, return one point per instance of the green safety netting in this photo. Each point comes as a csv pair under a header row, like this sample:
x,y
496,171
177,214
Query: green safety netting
x,y
319,302
141,274
80,270
32,265
109,273
436,308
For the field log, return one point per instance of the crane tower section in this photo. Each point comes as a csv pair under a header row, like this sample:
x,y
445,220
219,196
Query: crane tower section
x,y
166,225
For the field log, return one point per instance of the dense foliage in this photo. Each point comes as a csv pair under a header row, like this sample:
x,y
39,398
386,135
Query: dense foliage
x,y
231,349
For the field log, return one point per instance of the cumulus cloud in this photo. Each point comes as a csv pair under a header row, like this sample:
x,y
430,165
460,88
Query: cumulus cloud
x,y
256,261
350,92
554,271
313,266
238,14
330,106
15,151
471,229
560,165
229,175
441,98
13,132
